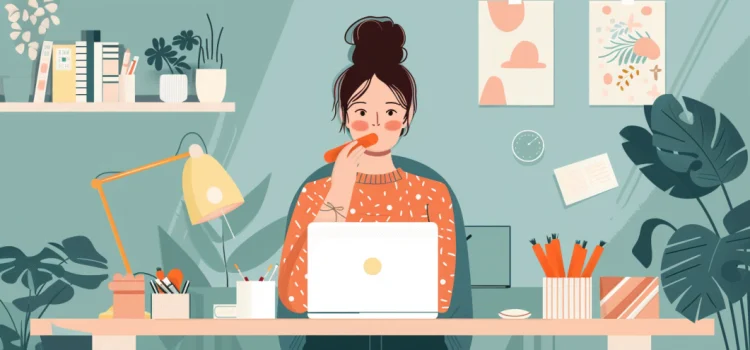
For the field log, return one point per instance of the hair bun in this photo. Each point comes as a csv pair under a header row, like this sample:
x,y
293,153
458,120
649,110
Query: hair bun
x,y
377,41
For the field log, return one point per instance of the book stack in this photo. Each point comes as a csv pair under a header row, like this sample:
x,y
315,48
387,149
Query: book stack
x,y
83,71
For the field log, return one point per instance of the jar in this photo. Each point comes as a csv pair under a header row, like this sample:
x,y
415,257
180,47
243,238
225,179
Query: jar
x,y
129,300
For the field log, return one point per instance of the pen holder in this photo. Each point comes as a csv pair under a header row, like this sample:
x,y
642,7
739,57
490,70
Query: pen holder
x,y
127,88
256,299
170,306
566,298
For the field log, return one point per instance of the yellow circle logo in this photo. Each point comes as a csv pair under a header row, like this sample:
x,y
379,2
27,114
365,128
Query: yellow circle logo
x,y
372,266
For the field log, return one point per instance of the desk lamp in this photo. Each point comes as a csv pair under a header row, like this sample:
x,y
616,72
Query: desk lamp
x,y
208,191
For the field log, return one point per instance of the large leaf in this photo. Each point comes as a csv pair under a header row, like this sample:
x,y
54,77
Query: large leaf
x,y
40,266
173,256
205,248
737,223
696,268
642,249
57,293
711,151
80,250
640,149
246,213
260,247
204,228
7,337
85,281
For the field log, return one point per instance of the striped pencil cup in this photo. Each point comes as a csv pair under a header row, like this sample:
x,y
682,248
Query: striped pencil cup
x,y
566,298
629,297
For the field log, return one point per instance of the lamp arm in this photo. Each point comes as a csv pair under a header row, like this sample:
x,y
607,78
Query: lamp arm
x,y
97,185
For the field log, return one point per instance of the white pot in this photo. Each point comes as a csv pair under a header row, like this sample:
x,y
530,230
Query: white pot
x,y
173,87
211,84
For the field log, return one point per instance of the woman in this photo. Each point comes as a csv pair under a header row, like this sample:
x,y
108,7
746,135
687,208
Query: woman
x,y
376,94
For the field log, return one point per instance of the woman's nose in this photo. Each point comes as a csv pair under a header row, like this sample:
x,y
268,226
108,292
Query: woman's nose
x,y
377,119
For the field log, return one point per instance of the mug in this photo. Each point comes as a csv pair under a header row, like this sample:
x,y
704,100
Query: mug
x,y
256,299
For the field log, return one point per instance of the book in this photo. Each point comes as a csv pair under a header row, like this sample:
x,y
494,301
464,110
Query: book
x,y
90,37
110,72
98,71
81,64
42,76
64,74
586,178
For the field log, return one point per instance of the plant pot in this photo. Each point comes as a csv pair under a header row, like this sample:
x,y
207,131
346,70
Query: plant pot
x,y
211,85
173,88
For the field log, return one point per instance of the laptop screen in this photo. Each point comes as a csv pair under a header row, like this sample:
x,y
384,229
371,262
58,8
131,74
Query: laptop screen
x,y
489,256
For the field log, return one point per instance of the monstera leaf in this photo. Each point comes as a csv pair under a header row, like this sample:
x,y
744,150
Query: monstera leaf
x,y
41,267
57,293
80,250
708,148
640,149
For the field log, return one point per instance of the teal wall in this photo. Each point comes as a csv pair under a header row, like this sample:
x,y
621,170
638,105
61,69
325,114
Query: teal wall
x,y
282,57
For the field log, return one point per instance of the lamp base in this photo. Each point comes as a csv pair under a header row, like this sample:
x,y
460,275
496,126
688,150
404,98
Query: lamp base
x,y
111,314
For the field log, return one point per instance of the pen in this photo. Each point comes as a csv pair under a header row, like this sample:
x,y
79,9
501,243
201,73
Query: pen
x,y
266,275
185,287
172,289
153,286
241,275
270,278
159,287
125,62
133,64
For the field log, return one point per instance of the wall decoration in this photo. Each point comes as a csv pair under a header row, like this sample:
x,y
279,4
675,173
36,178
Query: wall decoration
x,y
626,52
516,53
26,22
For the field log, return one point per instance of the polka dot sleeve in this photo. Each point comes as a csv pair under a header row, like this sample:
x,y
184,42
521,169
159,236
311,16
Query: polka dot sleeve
x,y
293,267
440,212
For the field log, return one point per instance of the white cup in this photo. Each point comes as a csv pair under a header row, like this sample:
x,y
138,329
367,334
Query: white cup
x,y
256,299
127,88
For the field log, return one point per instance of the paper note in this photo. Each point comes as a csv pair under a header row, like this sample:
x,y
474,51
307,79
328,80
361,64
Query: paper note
x,y
586,178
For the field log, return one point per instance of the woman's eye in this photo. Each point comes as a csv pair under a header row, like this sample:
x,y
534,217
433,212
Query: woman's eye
x,y
361,112
390,112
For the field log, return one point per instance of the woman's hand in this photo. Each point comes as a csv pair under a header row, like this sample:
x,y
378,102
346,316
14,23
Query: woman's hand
x,y
344,173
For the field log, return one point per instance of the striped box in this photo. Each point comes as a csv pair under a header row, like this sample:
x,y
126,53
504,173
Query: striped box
x,y
629,297
566,298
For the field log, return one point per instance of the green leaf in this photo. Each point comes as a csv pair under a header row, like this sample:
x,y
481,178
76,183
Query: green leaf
x,y
260,247
697,266
80,250
204,228
640,149
246,213
57,293
642,249
205,248
687,144
13,264
173,256
85,281
8,336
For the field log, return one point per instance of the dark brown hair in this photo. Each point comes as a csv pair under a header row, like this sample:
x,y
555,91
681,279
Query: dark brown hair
x,y
377,50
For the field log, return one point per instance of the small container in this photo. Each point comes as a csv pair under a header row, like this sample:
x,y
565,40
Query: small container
x,y
566,298
127,88
170,306
256,299
129,299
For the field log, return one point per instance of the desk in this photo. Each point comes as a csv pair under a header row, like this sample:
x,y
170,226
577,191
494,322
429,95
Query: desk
x,y
622,334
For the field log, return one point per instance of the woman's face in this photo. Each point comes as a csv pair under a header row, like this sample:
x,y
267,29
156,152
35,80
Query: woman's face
x,y
377,111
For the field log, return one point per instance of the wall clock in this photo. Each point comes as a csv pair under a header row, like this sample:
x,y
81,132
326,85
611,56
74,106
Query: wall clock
x,y
528,146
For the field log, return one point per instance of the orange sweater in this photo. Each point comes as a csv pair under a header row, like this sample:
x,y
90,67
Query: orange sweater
x,y
397,196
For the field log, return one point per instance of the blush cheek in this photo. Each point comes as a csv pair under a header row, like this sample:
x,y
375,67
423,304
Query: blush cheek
x,y
393,125
360,125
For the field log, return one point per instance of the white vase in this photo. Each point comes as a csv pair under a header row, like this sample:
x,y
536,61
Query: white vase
x,y
211,84
173,88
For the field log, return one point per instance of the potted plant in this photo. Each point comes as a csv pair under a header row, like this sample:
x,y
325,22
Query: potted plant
x,y
689,153
50,278
173,87
210,76
219,251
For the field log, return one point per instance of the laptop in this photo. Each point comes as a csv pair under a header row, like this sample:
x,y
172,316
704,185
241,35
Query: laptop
x,y
372,270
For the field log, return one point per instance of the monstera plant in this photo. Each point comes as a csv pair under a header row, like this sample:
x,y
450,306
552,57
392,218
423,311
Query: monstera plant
x,y
689,153
50,278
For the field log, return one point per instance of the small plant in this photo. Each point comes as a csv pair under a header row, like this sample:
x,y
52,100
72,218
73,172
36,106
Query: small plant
x,y
163,54
50,277
211,52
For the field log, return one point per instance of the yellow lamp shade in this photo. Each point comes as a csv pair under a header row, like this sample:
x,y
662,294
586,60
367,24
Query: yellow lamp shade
x,y
208,189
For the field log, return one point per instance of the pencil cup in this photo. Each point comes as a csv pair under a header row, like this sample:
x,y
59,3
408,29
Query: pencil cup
x,y
256,299
566,298
170,306
127,88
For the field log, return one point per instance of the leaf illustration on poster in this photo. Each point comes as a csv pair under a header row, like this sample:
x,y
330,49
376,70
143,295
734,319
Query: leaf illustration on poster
x,y
627,52
516,53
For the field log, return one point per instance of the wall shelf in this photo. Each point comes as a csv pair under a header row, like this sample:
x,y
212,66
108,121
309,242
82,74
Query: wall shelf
x,y
101,107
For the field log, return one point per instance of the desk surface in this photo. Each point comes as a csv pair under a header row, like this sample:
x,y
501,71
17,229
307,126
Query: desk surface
x,y
595,327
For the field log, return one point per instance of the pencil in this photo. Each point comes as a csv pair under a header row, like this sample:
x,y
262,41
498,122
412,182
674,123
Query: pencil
x,y
589,270
539,252
241,275
267,271
270,278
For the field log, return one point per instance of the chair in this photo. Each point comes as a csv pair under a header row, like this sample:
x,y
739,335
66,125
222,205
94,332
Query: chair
x,y
461,302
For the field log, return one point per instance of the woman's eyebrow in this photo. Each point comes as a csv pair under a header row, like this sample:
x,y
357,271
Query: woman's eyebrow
x,y
393,103
358,102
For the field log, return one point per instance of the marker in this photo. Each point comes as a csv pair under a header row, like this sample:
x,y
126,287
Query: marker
x,y
160,287
185,287
241,275
133,64
153,286
266,275
270,278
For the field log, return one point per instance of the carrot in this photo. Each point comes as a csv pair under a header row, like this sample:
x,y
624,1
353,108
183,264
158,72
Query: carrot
x,y
366,141
589,270
543,262
576,260
558,255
